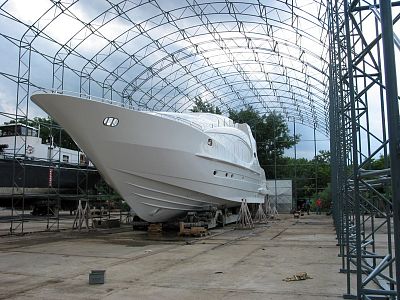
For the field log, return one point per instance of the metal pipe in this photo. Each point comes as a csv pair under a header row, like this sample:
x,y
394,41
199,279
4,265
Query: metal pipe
x,y
364,173
393,124
378,17
378,269
354,140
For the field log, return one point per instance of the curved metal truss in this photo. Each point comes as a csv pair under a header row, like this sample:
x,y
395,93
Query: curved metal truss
x,y
161,56
317,62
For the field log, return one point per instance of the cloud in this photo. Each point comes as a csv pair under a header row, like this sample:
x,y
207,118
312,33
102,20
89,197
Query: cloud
x,y
7,95
65,27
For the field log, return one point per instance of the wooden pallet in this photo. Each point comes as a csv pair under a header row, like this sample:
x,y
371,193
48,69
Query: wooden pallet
x,y
155,228
192,231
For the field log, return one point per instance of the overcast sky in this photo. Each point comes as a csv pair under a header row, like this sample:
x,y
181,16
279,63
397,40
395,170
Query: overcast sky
x,y
228,51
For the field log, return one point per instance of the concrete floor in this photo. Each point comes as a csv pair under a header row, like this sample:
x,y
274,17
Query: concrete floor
x,y
34,224
230,264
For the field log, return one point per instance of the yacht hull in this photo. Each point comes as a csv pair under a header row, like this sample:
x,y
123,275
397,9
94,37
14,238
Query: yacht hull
x,y
162,168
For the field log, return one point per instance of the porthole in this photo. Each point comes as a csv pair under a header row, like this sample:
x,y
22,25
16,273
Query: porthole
x,y
209,142
110,121
226,174
231,175
215,172
255,154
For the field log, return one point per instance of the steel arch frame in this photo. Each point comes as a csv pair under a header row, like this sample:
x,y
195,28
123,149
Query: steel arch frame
x,y
345,50
151,73
281,94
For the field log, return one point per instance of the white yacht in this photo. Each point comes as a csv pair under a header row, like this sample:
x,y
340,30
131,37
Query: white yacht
x,y
163,164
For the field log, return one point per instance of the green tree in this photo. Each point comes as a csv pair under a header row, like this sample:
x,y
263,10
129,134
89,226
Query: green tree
x,y
310,177
378,164
323,156
271,133
200,106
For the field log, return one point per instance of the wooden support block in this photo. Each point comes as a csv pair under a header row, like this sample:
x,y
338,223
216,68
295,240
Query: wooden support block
x,y
155,228
191,231
198,231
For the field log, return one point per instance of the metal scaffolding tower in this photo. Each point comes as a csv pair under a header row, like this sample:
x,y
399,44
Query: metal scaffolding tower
x,y
364,120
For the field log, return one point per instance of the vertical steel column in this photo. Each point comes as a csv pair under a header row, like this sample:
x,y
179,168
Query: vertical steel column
x,y
295,166
354,140
316,162
364,191
275,169
393,123
341,118
21,113
334,132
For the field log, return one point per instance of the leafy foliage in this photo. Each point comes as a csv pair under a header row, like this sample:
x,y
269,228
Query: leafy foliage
x,y
378,164
200,106
310,177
